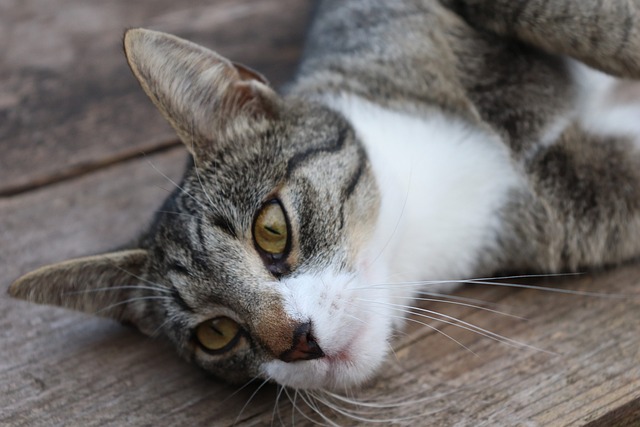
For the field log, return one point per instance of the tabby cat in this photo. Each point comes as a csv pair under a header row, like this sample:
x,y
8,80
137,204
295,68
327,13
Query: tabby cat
x,y
420,139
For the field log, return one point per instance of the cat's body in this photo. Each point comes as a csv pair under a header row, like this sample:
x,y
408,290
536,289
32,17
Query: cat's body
x,y
420,140
502,91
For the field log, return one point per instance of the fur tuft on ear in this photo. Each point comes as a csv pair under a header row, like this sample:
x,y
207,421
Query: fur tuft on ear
x,y
103,285
204,96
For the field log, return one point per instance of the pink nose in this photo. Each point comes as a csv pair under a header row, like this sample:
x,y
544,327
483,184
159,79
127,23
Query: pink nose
x,y
304,346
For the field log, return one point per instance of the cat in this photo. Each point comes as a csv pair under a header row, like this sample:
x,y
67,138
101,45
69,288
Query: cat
x,y
420,140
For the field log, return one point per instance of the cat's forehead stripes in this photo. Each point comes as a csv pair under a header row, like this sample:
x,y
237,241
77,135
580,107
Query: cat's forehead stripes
x,y
332,146
357,174
175,293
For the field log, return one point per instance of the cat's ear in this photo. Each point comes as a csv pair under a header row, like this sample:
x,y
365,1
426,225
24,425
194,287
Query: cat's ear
x,y
102,285
204,96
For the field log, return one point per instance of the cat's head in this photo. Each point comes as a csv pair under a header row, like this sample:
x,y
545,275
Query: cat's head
x,y
259,263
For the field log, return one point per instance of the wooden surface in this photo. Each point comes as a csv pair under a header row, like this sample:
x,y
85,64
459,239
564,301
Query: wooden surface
x,y
73,123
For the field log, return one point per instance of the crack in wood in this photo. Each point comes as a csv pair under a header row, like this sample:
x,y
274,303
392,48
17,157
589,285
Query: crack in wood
x,y
83,169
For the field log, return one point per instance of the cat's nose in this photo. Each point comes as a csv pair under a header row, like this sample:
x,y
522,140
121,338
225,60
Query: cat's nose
x,y
303,347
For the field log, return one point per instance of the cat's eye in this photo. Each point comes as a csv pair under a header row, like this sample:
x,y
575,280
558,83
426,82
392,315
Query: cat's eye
x,y
218,335
270,229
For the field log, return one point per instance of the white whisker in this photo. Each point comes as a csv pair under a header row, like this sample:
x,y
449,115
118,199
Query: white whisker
x,y
245,385
308,400
175,184
250,399
460,324
135,276
357,414
548,289
180,214
395,229
391,403
464,299
463,304
408,319
473,280
296,408
155,332
276,404
115,288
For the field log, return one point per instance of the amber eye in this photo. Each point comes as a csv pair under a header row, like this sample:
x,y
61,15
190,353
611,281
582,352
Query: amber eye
x,y
270,229
219,334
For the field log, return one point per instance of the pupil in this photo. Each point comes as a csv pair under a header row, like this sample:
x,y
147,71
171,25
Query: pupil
x,y
217,331
274,231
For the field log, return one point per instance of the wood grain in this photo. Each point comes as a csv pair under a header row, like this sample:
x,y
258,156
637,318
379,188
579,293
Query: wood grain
x,y
72,122
69,104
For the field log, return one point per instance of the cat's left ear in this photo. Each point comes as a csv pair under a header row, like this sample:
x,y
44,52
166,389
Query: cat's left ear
x,y
103,285
204,96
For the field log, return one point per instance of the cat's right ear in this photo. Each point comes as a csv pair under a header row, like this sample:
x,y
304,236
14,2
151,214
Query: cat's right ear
x,y
204,96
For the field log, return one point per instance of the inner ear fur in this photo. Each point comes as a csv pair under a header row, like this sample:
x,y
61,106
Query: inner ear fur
x,y
204,96
100,285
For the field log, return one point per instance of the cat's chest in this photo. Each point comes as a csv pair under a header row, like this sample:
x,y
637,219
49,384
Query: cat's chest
x,y
443,184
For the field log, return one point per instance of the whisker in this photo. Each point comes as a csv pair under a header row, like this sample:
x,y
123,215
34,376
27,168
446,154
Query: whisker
x,y
245,385
250,399
502,284
462,281
430,327
204,190
154,334
314,407
195,165
392,403
115,288
148,282
276,404
554,290
464,299
293,413
296,408
395,229
531,276
162,188
460,324
478,307
132,300
353,414
180,214
354,317
174,183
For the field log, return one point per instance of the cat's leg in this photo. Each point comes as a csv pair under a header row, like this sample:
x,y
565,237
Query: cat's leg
x,y
602,34
583,209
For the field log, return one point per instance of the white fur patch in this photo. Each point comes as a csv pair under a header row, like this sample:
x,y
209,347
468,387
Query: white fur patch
x,y
598,110
442,182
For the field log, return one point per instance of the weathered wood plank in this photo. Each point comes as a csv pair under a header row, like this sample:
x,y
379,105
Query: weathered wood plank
x,y
68,102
